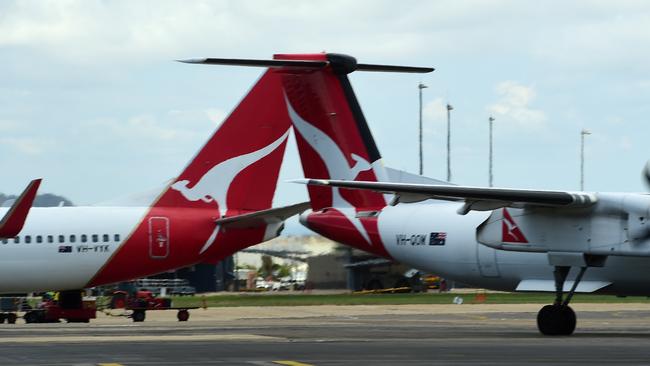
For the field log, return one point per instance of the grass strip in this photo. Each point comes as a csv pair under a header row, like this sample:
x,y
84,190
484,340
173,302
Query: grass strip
x,y
266,299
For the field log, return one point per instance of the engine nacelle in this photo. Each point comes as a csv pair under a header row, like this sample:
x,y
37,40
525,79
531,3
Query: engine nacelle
x,y
616,225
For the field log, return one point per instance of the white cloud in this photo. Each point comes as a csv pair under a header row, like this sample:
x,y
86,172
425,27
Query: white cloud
x,y
176,125
7,126
216,115
625,143
514,105
26,145
432,112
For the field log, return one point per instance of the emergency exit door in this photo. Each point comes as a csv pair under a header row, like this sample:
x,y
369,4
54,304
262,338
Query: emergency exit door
x,y
158,237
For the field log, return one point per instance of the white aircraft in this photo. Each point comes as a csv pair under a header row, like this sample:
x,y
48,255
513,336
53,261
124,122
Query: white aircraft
x,y
219,204
496,238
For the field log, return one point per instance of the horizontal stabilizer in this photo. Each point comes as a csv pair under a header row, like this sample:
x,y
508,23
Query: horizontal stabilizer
x,y
346,64
14,219
476,198
257,63
549,286
263,217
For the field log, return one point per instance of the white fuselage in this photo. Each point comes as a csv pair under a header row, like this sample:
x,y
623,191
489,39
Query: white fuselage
x,y
462,258
63,247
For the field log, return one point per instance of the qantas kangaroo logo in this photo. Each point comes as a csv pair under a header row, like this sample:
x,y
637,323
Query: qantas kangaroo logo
x,y
510,231
335,162
215,183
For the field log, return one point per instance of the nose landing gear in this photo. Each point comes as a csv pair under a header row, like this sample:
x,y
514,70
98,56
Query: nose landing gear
x,y
559,318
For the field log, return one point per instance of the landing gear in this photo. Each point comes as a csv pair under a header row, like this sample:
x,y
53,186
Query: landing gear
x,y
556,320
183,315
559,318
138,315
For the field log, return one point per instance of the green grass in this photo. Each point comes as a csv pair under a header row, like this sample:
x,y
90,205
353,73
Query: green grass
x,y
387,299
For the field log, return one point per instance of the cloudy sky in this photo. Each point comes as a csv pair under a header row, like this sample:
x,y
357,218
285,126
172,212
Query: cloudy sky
x,y
91,100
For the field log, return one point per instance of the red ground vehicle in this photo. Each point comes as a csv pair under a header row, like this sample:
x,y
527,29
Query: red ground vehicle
x,y
142,301
69,305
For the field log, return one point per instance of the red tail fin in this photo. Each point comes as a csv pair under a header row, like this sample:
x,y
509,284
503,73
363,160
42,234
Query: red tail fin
x,y
238,167
332,134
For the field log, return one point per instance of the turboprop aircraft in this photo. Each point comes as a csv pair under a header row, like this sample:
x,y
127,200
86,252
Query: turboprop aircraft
x,y
219,204
496,238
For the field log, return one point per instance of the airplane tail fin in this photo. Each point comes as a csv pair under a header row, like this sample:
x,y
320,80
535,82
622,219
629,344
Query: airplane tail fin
x,y
334,140
237,169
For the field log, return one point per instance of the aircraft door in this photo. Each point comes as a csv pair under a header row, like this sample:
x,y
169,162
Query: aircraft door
x,y
487,261
158,237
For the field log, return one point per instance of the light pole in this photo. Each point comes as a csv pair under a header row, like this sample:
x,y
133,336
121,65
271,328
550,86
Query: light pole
x,y
420,87
449,109
583,133
491,176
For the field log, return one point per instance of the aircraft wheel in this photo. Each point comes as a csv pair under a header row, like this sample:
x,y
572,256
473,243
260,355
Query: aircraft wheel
x,y
11,318
556,320
183,315
138,315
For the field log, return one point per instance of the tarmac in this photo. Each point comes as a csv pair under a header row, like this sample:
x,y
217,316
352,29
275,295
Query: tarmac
x,y
337,335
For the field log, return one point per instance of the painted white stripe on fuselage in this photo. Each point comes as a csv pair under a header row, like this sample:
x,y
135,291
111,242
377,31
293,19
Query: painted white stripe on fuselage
x,y
41,267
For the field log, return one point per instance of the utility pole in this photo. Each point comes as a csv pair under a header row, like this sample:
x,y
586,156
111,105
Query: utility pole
x,y
491,176
420,87
449,109
583,133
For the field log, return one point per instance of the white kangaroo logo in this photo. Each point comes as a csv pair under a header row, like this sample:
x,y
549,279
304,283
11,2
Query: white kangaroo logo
x,y
335,162
215,183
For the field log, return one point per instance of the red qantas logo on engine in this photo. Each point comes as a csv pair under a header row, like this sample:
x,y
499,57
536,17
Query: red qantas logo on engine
x,y
510,230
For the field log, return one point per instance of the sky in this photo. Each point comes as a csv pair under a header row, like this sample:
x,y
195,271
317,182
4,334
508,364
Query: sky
x,y
92,101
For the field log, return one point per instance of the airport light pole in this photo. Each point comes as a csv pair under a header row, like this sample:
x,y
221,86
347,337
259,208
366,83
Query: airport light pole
x,y
420,87
449,109
490,177
583,133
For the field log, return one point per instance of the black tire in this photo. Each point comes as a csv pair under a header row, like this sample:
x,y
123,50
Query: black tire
x,y
553,320
183,315
568,317
138,315
11,318
3,316
30,317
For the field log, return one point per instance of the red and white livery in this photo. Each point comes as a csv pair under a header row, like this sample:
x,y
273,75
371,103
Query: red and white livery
x,y
219,204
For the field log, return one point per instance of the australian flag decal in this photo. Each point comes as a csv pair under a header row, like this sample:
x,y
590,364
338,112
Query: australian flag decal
x,y
65,249
437,238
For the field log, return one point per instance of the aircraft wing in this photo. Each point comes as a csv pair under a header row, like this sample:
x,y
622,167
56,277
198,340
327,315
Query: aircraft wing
x,y
476,198
263,217
14,219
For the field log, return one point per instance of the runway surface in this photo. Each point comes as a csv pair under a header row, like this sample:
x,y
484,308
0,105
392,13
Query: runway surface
x,y
347,335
